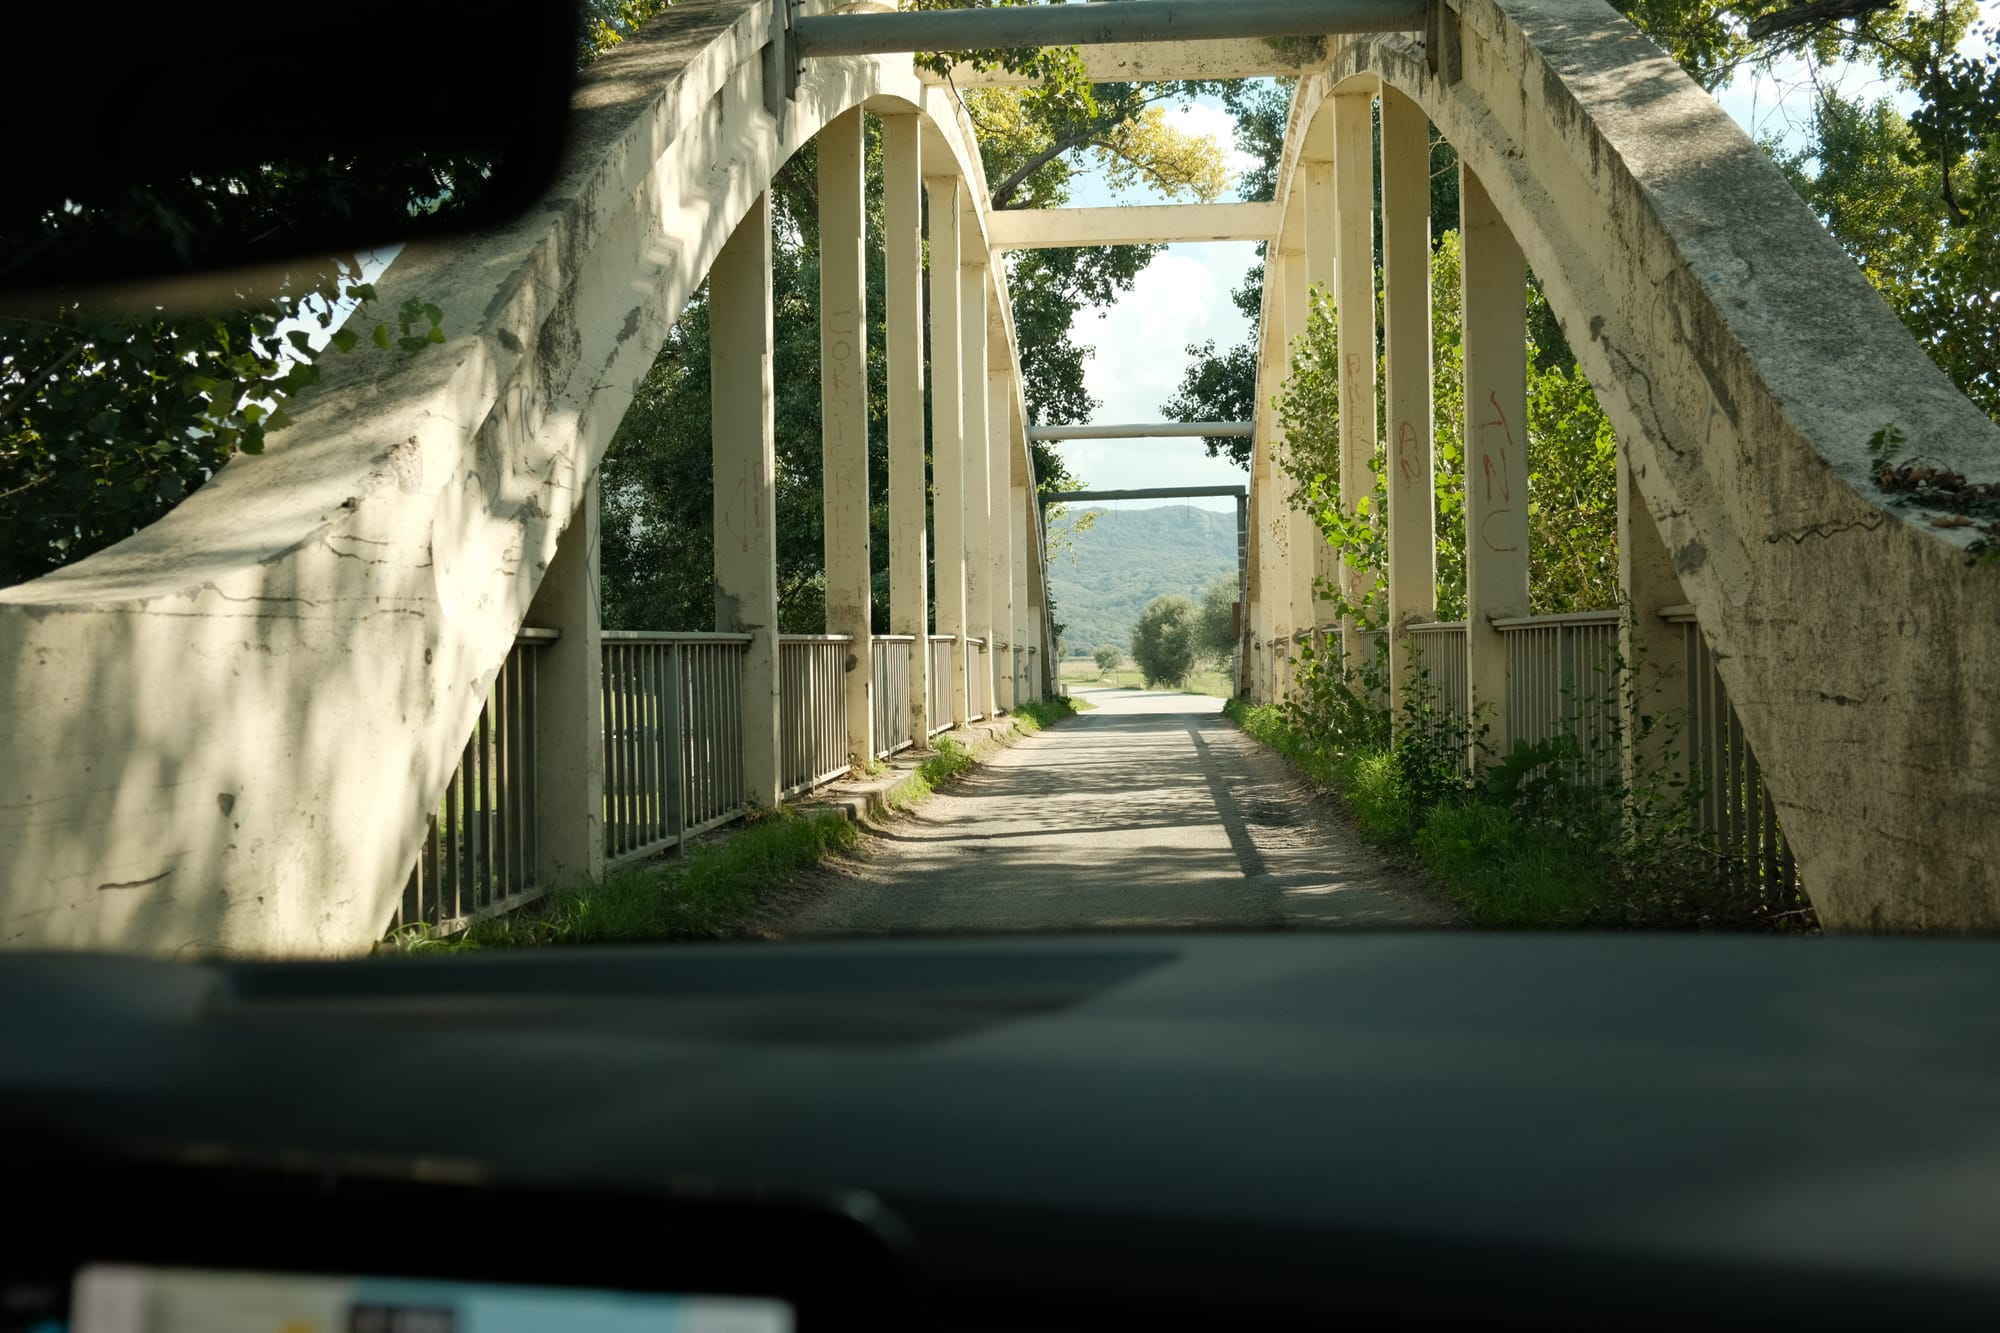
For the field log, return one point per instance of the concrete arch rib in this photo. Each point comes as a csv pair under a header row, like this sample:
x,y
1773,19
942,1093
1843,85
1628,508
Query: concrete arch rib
x,y
1745,362
224,732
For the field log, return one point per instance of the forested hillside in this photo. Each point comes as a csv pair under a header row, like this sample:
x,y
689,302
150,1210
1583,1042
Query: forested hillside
x,y
1126,557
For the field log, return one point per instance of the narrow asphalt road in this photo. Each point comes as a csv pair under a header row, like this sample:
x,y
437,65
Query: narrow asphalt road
x,y
1150,811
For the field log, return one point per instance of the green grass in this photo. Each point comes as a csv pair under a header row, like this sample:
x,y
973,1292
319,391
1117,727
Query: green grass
x,y
1508,872
710,894
1034,714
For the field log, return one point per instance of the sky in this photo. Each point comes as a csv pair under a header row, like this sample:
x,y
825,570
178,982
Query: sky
x,y
1138,345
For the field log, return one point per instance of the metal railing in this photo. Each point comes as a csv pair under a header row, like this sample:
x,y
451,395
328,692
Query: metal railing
x,y
478,857
1735,814
1562,679
891,665
940,695
812,709
977,681
673,737
1439,647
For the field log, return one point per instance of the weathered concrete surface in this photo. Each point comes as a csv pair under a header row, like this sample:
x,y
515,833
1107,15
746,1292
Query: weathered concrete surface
x,y
224,732
1745,362
1152,811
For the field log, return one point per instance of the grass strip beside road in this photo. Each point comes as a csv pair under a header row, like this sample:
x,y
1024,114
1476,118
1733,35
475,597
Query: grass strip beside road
x,y
718,888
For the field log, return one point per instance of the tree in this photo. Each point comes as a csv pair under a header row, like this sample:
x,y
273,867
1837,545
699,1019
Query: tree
x,y
1107,658
109,417
1163,641
1215,623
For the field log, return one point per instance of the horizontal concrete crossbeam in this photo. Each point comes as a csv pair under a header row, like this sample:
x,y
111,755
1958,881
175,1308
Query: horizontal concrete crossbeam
x,y
1153,224
1145,493
1136,430
865,34
1152,62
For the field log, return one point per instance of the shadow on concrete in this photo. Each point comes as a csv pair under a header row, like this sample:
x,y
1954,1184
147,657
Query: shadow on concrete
x,y
1151,812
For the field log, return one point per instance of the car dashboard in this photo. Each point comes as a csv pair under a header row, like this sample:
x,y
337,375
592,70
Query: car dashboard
x,y
1253,1130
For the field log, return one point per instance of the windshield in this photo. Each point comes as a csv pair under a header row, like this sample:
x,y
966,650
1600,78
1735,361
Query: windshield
x,y
1244,485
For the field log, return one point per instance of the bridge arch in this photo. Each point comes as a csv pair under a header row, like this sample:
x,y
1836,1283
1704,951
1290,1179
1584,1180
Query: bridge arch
x,y
1744,363
380,561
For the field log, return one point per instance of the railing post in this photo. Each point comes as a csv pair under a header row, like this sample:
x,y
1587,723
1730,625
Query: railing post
x,y
569,720
1354,166
1652,652
1494,290
1303,537
676,727
743,443
1000,526
843,361
903,316
1406,340
948,435
978,465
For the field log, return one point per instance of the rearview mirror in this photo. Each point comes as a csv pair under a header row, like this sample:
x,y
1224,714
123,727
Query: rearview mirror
x,y
175,141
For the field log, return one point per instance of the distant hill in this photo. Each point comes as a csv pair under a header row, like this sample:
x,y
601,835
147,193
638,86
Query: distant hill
x,y
1126,558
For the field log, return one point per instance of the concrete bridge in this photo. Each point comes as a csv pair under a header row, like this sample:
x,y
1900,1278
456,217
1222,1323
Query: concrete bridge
x,y
243,727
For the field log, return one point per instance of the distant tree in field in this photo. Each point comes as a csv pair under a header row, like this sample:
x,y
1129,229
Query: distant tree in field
x,y
1163,641
1215,623
1108,658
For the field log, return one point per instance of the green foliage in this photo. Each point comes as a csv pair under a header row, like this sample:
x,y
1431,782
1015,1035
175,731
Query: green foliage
x,y
1872,181
109,418
1163,642
1218,387
1530,845
1215,637
1107,657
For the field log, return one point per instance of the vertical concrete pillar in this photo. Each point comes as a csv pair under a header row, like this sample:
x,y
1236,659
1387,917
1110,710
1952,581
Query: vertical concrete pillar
x,y
1322,283
1000,524
903,317
948,434
1274,523
843,397
1046,681
978,474
1654,691
1304,535
1494,290
1240,677
1354,166
1021,555
569,702
1406,338
744,446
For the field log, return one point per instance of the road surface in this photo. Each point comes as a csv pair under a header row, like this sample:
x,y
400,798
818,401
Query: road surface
x,y
1151,811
